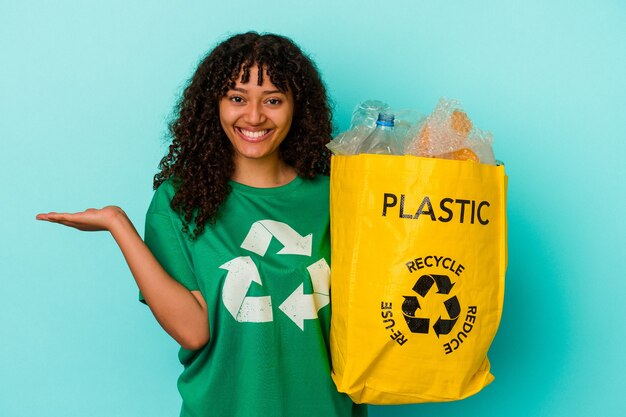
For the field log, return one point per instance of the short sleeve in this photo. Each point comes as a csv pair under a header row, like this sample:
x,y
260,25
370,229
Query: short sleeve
x,y
166,241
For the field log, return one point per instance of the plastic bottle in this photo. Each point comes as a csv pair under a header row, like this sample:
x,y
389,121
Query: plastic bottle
x,y
383,139
366,113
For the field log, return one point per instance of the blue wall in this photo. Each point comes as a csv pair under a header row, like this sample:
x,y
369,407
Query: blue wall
x,y
86,89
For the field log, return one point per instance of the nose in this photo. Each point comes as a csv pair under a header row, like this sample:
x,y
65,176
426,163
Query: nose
x,y
255,114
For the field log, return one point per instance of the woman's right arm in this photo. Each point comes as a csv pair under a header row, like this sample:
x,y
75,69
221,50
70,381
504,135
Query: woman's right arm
x,y
182,313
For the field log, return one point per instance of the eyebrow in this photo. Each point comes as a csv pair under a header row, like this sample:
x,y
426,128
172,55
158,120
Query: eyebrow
x,y
266,92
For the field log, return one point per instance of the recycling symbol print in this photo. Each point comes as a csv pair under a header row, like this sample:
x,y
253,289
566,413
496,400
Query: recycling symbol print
x,y
411,307
242,272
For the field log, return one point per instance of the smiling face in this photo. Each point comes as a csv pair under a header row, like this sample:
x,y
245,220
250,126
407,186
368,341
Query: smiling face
x,y
256,119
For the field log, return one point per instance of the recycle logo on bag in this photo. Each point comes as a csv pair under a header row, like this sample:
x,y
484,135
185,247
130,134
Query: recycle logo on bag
x,y
411,307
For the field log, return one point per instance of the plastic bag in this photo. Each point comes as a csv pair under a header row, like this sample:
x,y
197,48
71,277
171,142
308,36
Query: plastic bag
x,y
447,133
419,256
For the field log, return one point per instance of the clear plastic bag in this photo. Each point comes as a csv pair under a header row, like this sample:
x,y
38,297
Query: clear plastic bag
x,y
446,133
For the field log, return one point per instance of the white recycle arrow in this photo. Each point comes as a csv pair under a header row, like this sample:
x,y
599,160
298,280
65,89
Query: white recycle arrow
x,y
299,306
241,273
260,236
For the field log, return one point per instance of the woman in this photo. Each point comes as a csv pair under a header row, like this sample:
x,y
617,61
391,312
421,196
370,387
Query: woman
x,y
235,261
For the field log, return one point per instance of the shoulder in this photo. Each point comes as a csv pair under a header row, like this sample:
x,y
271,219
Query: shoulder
x,y
314,193
162,198
320,182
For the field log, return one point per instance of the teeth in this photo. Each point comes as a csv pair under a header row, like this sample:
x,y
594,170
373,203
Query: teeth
x,y
254,135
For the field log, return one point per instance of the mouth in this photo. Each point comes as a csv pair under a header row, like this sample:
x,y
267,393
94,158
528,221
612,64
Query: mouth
x,y
253,136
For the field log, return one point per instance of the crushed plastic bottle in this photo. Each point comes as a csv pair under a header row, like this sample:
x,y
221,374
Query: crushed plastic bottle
x,y
366,114
382,140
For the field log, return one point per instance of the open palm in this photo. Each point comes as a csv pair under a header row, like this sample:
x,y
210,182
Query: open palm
x,y
90,220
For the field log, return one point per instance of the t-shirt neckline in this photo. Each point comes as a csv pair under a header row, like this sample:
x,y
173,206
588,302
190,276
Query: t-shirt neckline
x,y
247,189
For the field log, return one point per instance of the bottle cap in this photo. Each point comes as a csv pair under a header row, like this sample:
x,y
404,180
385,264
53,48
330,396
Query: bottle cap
x,y
385,119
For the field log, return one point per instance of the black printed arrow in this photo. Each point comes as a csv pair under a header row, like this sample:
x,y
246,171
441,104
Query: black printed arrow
x,y
443,284
416,324
444,326
423,284
453,307
410,305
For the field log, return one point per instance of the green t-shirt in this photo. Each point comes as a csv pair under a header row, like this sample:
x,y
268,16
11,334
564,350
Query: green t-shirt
x,y
263,270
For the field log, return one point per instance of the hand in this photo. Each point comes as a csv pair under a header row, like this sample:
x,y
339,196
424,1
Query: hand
x,y
90,220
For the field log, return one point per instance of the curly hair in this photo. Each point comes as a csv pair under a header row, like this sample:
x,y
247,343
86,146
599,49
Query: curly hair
x,y
200,160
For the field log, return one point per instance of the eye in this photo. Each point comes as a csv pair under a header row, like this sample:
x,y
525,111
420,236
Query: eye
x,y
236,99
274,101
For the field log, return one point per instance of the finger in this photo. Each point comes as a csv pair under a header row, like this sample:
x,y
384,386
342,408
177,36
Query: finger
x,y
50,216
58,217
69,224
75,225
52,220
44,216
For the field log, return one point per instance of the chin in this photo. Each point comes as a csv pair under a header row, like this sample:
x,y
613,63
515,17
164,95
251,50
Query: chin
x,y
254,152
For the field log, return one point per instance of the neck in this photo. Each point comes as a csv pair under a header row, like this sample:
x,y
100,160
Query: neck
x,y
262,174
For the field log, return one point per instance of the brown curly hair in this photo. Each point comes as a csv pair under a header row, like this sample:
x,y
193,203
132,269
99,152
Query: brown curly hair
x,y
200,159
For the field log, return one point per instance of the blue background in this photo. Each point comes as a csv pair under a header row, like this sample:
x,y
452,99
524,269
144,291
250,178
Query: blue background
x,y
86,89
